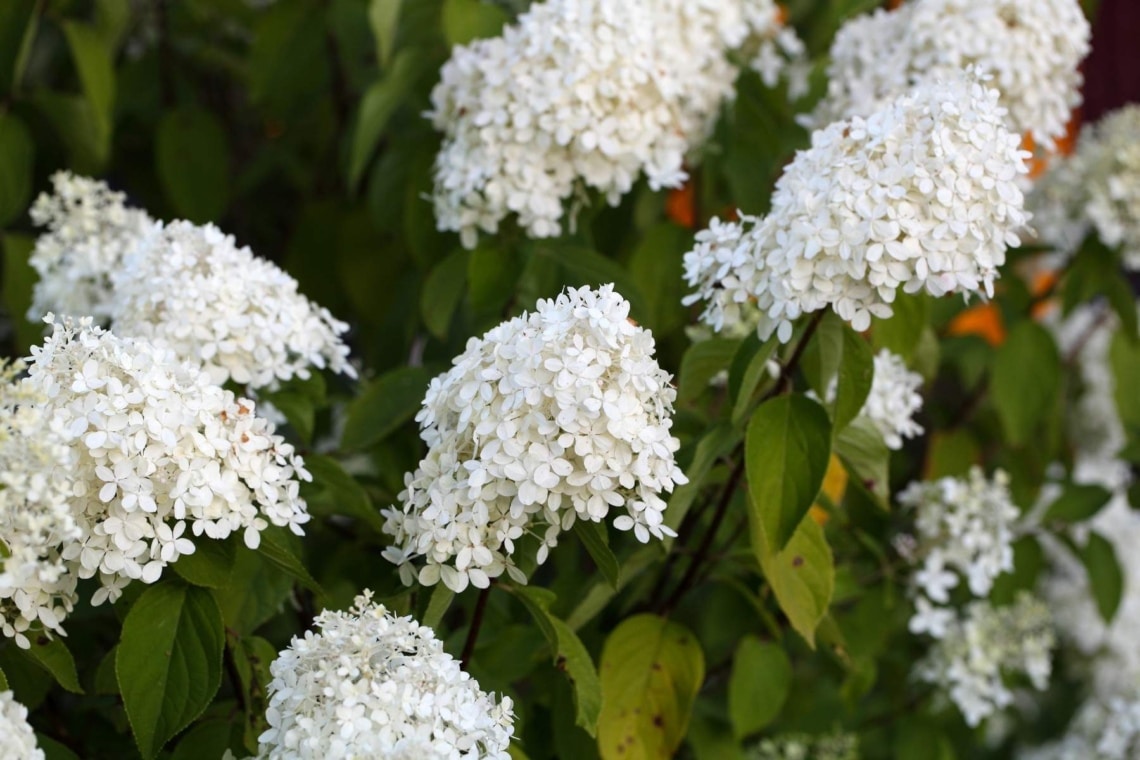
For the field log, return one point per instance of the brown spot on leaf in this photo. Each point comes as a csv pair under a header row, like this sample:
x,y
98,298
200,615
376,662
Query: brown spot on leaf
x,y
797,561
659,721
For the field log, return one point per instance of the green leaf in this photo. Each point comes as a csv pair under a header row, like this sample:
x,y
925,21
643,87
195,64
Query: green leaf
x,y
441,597
211,564
759,685
207,739
17,154
16,19
192,159
492,273
53,656
343,492
53,750
74,120
1124,359
298,399
112,20
856,372
3,681
823,354
384,17
718,441
1105,576
1025,381
466,20
19,279
570,655
597,543
754,373
656,265
257,592
169,662
384,405
866,456
1078,502
283,549
701,363
651,671
381,100
1095,271
901,333
786,451
93,60
443,290
802,577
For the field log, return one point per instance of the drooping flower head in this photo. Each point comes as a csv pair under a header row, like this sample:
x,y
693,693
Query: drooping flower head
x,y
1095,189
586,94
554,416
921,195
35,515
970,662
191,288
156,449
370,684
17,739
90,230
1031,47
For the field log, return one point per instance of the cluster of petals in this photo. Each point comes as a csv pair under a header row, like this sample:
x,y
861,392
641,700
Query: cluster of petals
x,y
964,528
89,231
983,646
1096,189
581,94
892,401
17,739
191,288
1103,729
155,449
921,195
35,514
1031,47
554,416
371,684
188,287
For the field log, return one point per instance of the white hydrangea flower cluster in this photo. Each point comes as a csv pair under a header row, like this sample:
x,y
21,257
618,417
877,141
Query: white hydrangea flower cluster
x,y
1095,189
554,416
191,288
921,195
1031,47
969,660
35,516
156,448
964,526
17,739
182,285
371,684
90,230
806,747
893,400
1102,730
587,94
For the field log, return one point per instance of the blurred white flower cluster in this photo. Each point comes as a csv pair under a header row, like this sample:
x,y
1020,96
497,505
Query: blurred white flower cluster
x,y
179,285
806,747
554,416
89,232
969,661
153,448
1096,189
1031,47
192,289
17,739
920,195
893,400
588,94
371,684
1101,730
35,516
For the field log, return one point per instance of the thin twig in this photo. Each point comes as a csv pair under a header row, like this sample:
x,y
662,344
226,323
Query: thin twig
x,y
476,624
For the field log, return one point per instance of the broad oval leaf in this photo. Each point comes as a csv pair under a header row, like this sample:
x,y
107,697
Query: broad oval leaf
x,y
758,687
192,158
383,18
53,656
93,61
376,108
651,672
802,577
169,661
855,376
1105,575
211,564
701,363
594,538
1078,502
786,452
443,290
1025,381
384,405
